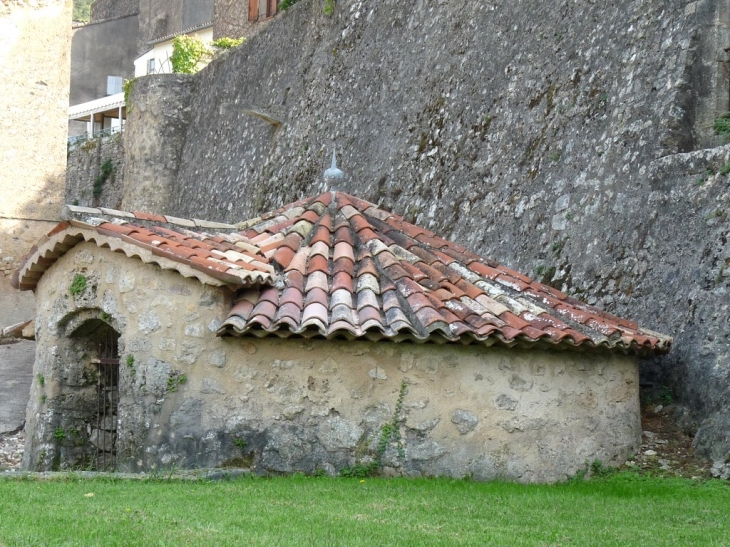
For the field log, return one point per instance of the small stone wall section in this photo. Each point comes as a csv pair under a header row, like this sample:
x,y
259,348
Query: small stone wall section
x,y
191,399
102,10
157,121
84,167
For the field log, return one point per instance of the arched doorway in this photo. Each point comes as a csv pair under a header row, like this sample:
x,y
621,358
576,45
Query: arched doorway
x,y
96,344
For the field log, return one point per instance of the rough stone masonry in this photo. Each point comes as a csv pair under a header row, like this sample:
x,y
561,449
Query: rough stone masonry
x,y
566,140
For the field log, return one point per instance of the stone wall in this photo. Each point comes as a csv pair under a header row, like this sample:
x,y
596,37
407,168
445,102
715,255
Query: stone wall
x,y
99,50
191,399
230,19
538,137
34,81
102,10
84,167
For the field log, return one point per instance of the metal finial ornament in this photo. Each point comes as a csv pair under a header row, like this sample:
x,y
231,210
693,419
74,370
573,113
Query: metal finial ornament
x,y
333,175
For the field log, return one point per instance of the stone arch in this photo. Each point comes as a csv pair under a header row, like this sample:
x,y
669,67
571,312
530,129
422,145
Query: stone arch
x,y
87,391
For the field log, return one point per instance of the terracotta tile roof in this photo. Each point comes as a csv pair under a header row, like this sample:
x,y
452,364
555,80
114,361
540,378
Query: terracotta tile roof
x,y
348,269
221,258
338,266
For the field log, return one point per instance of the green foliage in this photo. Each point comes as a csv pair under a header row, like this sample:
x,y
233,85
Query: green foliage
x,y
130,360
187,52
329,6
44,397
665,395
390,432
41,380
78,285
128,88
59,434
240,443
227,43
286,4
105,171
82,10
175,380
725,169
722,125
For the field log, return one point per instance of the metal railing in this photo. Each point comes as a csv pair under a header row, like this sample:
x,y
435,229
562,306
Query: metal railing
x,y
78,140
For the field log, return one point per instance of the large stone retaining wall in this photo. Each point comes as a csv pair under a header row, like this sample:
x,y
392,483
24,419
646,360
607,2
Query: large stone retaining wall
x,y
564,141
191,399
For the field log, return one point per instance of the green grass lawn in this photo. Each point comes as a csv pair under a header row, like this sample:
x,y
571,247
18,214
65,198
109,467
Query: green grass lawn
x,y
621,509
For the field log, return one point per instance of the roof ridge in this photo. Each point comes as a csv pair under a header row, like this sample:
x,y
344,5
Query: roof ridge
x,y
83,213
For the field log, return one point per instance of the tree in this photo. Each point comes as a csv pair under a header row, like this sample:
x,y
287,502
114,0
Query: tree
x,y
82,10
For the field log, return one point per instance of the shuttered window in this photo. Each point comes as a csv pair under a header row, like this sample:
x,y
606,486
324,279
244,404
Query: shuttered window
x,y
261,9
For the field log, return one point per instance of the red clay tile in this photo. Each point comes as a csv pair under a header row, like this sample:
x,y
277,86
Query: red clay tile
x,y
413,272
367,266
390,300
343,250
484,270
396,271
322,234
289,310
269,294
343,265
299,261
342,312
550,291
472,291
342,280
416,301
447,272
264,309
601,326
242,309
294,279
344,235
367,234
423,254
317,295
317,263
315,311
283,256
291,295
513,321
369,313
366,297
428,316
406,286
512,282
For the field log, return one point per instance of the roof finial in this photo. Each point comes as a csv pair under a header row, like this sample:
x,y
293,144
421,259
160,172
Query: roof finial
x,y
333,175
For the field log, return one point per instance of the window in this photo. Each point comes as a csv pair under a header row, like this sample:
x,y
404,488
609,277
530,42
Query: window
x,y
261,9
113,85
150,66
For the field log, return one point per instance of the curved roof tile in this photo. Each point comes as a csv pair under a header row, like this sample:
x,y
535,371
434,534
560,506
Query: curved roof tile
x,y
408,283
338,266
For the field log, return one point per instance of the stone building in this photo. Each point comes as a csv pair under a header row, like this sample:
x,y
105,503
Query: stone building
x,y
324,335
34,79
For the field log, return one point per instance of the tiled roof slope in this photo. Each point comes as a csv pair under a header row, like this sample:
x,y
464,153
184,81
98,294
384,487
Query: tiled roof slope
x,y
337,266
348,268
222,257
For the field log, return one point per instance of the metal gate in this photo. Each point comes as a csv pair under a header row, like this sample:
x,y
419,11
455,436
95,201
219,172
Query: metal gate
x,y
108,402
